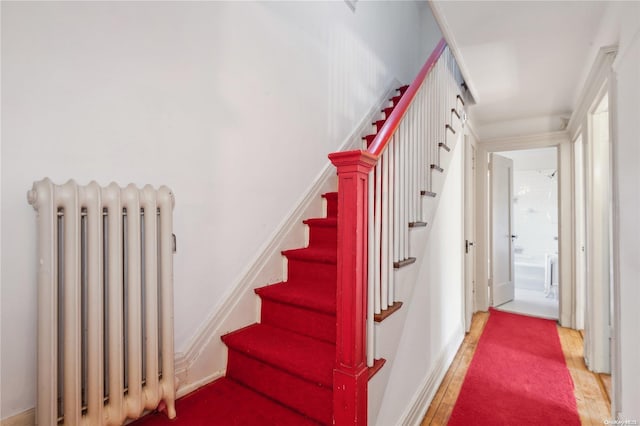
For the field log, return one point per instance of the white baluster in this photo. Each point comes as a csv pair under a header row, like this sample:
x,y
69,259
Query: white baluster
x,y
384,251
401,179
405,222
391,220
433,129
414,158
396,197
378,226
421,142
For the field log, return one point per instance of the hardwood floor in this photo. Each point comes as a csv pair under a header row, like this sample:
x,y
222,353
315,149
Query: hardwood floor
x,y
592,401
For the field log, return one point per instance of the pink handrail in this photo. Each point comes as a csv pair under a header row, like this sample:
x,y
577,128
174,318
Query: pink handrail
x,y
389,127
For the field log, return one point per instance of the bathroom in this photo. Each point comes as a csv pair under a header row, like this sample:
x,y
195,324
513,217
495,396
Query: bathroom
x,y
535,232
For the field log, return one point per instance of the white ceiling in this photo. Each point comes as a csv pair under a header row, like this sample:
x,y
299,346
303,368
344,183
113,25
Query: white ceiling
x,y
524,60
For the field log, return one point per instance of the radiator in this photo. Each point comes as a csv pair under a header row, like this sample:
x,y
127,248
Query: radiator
x,y
105,302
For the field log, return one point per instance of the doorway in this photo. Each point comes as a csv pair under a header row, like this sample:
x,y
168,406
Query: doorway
x,y
526,269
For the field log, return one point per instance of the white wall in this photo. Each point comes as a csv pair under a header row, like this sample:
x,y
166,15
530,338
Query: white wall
x,y
235,106
420,340
620,27
626,152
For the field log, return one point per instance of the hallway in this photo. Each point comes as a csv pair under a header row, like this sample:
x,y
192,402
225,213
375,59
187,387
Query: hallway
x,y
592,401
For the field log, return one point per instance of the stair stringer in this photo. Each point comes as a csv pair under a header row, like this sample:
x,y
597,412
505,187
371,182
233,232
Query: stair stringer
x,y
205,358
390,332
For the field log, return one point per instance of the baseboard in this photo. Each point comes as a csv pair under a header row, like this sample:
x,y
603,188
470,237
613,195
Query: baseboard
x,y
419,405
26,418
190,372
187,389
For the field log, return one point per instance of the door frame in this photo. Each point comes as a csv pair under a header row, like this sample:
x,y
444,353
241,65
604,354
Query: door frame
x,y
562,142
469,229
602,76
599,338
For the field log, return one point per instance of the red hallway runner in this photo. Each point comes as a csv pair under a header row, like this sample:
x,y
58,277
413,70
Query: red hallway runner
x,y
518,376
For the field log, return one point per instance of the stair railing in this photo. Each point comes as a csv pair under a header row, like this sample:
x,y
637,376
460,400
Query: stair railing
x,y
380,196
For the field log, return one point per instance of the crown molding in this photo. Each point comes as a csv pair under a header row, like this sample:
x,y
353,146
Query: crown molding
x,y
447,33
537,140
593,85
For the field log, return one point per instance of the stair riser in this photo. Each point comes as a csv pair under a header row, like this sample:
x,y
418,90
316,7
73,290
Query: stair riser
x,y
332,206
312,272
299,320
310,399
378,124
321,236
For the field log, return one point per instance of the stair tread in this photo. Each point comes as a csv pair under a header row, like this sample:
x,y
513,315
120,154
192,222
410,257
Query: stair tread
x,y
328,222
225,402
333,195
313,254
314,297
305,357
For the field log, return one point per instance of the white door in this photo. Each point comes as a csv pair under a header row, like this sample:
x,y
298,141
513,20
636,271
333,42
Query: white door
x,y
502,288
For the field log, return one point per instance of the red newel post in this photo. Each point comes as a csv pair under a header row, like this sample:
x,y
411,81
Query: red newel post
x,y
350,375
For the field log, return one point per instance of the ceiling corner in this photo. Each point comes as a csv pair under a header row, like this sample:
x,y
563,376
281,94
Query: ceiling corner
x,y
451,42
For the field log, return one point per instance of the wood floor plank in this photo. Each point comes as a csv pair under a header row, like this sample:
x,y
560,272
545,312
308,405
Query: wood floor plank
x,y
594,399
605,380
591,398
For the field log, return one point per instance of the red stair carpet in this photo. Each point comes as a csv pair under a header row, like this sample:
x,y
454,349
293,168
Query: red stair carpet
x,y
280,371
518,376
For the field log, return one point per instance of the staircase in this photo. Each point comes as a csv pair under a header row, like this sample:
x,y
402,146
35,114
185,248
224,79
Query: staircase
x,y
280,371
289,356
308,360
